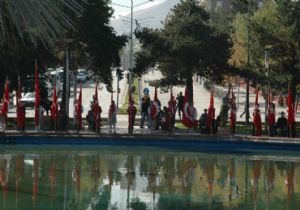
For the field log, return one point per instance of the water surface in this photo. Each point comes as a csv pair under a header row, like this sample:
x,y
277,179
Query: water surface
x,y
145,178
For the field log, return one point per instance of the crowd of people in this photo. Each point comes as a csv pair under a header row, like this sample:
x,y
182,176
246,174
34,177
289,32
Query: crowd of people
x,y
158,117
93,116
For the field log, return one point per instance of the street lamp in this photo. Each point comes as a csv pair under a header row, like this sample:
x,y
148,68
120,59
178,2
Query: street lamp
x,y
249,3
132,6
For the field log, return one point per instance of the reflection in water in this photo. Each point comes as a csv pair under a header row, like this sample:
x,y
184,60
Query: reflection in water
x,y
145,179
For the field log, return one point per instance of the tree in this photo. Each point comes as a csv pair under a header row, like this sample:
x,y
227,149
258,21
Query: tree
x,y
186,45
42,21
102,42
28,30
276,25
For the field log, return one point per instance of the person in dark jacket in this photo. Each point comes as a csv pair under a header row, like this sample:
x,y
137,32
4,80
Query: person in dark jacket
x,y
282,125
203,121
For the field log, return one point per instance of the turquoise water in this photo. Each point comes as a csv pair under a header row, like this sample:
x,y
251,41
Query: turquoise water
x,y
145,178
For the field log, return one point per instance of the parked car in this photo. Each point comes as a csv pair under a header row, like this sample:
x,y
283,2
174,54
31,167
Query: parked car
x,y
28,99
81,77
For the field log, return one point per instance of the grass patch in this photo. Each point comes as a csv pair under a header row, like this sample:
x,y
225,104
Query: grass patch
x,y
240,128
135,96
243,129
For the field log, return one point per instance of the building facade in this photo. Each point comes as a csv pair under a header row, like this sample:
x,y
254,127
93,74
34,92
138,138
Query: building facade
x,y
224,5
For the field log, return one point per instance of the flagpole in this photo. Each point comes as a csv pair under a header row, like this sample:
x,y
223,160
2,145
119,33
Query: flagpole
x,y
290,126
37,122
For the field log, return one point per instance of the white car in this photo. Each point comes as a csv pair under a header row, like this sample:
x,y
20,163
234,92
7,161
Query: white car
x,y
81,77
28,99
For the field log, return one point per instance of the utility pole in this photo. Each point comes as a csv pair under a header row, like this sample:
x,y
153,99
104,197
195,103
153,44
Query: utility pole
x,y
131,47
132,6
248,64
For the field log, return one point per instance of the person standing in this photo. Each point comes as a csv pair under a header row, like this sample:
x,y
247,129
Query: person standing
x,y
271,119
203,122
232,116
131,115
193,116
282,125
291,115
257,125
180,102
257,122
145,103
97,110
21,112
172,111
112,116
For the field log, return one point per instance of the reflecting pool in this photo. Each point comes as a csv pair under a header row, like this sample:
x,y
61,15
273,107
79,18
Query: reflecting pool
x,y
143,178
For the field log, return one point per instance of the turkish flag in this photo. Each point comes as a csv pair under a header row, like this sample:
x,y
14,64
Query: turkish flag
x,y
6,99
211,110
155,95
291,111
96,92
54,105
154,108
172,104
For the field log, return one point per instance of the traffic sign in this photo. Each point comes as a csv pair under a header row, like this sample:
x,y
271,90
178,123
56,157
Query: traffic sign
x,y
146,91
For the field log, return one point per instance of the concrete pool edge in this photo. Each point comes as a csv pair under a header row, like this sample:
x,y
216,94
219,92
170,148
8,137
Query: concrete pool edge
x,y
187,142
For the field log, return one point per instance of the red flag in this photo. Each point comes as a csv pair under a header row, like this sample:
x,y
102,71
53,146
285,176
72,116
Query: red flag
x,y
155,95
211,101
6,99
54,106
19,90
211,110
154,108
79,108
232,110
291,111
130,99
6,92
172,103
96,92
37,95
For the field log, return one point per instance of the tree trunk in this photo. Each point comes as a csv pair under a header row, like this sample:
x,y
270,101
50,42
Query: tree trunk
x,y
293,89
189,85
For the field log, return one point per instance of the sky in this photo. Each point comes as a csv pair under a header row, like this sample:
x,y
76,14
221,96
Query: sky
x,y
124,11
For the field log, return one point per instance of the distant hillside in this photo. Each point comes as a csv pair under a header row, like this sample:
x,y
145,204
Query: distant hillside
x,y
158,12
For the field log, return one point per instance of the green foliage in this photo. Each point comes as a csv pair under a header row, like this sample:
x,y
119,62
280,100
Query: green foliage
x,y
274,26
17,58
102,42
37,21
186,45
